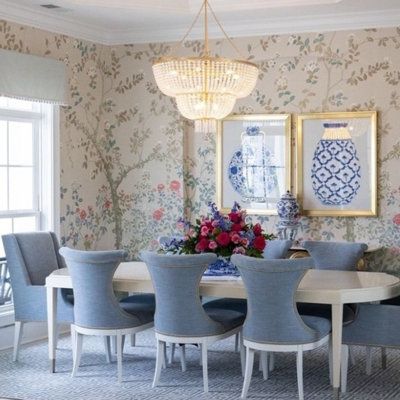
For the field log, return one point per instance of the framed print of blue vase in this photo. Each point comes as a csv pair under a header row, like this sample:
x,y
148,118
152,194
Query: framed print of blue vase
x,y
336,171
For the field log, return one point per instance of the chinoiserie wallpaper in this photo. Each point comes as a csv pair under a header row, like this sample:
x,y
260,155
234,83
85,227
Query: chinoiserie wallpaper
x,y
131,166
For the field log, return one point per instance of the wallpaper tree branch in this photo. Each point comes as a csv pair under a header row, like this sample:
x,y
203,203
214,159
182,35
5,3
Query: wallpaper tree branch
x,y
131,166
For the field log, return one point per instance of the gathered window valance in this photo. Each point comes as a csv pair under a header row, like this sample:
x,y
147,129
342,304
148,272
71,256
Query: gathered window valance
x,y
33,78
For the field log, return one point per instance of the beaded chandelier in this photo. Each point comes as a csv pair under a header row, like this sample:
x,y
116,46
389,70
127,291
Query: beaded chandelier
x,y
205,88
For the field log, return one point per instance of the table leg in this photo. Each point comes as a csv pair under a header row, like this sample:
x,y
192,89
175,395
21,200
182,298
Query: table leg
x,y
337,327
51,325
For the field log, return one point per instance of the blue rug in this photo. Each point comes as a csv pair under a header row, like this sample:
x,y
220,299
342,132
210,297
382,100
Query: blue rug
x,y
29,379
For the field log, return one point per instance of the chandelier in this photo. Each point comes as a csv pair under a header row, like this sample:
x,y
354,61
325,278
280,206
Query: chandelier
x,y
205,88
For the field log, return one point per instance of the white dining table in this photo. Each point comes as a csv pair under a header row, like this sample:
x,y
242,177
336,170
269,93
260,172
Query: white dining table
x,y
317,286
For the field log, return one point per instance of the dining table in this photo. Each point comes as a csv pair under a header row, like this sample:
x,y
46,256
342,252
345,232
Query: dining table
x,y
317,286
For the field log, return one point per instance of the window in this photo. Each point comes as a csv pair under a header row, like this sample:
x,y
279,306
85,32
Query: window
x,y
27,173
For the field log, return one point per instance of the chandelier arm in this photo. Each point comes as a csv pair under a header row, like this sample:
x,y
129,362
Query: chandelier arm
x,y
189,30
225,34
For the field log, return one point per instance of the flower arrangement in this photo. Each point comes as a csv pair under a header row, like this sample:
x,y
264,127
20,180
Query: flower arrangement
x,y
223,235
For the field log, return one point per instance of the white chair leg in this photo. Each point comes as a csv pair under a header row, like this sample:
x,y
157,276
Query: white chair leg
x,y
172,354
299,362
205,366
114,344
271,361
107,348
133,340
248,371
384,357
159,361
264,363
77,352
368,360
352,359
119,356
344,367
183,357
237,343
242,354
164,360
260,362
18,329
73,338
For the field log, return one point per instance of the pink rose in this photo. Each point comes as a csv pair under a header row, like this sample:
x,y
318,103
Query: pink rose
x,y
245,242
215,223
204,231
235,238
396,219
158,214
175,186
212,245
239,250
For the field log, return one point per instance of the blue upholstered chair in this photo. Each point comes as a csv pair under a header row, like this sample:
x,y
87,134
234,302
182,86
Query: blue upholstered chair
x,y
273,323
376,325
180,316
31,257
342,256
275,249
96,309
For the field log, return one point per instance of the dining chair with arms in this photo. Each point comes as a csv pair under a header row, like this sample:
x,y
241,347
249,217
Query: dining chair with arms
x,y
273,323
31,257
376,325
96,310
180,317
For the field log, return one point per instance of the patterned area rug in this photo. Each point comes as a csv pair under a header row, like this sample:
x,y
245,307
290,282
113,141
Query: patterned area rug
x,y
29,379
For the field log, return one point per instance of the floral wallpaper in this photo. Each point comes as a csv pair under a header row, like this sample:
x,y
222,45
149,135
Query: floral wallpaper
x,y
131,166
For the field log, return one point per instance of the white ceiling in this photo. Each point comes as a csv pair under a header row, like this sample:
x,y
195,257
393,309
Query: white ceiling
x,y
138,21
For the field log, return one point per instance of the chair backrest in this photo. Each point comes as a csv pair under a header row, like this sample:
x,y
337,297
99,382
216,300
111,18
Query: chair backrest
x,y
31,257
276,249
176,279
271,285
95,304
335,255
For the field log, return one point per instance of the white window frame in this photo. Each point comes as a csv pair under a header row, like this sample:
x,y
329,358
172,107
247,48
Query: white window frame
x,y
46,120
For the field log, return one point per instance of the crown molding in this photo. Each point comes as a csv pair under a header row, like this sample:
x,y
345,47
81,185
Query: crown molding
x,y
62,24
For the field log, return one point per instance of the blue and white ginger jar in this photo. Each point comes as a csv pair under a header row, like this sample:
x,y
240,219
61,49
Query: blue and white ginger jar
x,y
288,209
336,170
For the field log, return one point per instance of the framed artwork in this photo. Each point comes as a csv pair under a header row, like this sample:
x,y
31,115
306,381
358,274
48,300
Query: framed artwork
x,y
336,164
253,162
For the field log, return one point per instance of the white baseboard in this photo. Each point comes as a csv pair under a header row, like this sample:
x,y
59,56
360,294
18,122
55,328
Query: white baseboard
x,y
33,331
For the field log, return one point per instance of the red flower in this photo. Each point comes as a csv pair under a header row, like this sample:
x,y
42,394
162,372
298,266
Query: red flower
x,y
257,230
82,214
234,217
223,239
202,245
158,214
175,186
396,219
236,227
259,243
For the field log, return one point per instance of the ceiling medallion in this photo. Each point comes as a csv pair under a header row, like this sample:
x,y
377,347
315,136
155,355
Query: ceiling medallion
x,y
206,87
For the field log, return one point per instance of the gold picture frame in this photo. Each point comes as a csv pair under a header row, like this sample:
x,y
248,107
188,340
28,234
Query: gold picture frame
x,y
325,184
272,174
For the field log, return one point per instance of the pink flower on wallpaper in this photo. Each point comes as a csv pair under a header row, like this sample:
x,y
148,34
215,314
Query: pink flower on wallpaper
x,y
160,187
158,214
396,219
107,204
175,186
82,214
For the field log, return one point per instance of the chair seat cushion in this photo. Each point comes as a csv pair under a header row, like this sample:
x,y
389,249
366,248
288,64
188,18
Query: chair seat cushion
x,y
321,325
324,311
227,303
141,306
229,319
